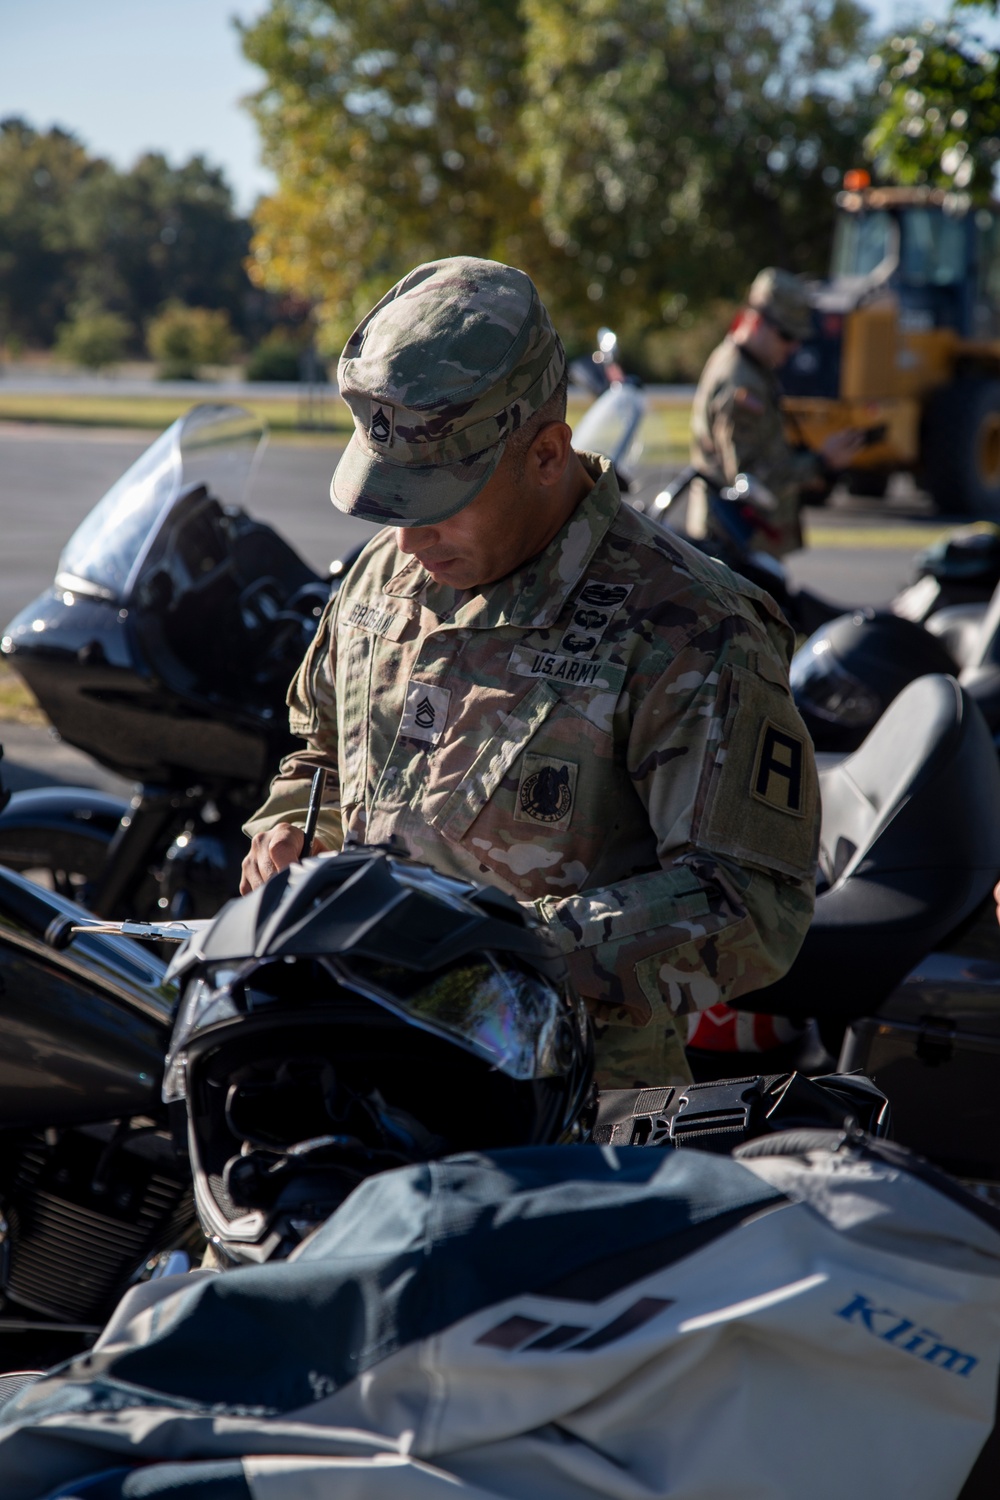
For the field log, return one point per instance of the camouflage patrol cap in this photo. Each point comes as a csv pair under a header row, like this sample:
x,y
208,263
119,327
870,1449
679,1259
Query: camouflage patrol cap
x,y
456,357
783,299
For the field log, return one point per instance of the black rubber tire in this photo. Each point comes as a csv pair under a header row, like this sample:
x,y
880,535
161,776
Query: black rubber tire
x,y
867,482
961,448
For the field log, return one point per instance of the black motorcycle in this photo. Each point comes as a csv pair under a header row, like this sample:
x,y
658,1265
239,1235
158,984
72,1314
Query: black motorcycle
x,y
92,1192
901,965
164,649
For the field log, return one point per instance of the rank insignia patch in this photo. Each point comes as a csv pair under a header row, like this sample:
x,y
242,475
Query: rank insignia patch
x,y
425,712
777,770
380,428
546,792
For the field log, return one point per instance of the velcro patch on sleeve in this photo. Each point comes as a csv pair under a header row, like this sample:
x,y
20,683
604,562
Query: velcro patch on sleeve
x,y
758,799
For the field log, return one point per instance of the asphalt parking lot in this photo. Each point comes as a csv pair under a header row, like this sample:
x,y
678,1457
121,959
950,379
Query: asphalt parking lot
x,y
50,478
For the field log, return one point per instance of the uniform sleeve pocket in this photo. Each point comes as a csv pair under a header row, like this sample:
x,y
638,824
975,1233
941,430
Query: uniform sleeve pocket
x,y
493,762
758,798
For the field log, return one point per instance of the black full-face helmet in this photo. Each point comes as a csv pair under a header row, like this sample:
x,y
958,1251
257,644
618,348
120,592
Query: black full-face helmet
x,y
848,672
360,1012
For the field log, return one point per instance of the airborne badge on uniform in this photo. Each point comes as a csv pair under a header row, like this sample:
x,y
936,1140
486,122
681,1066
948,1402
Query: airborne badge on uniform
x,y
777,770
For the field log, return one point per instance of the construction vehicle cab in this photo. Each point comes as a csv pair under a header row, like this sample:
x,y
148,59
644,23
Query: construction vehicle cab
x,y
906,344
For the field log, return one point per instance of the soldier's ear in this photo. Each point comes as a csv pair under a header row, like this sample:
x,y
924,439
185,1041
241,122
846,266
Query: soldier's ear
x,y
550,452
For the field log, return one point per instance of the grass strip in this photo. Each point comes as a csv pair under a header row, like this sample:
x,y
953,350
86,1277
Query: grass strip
x,y
18,704
664,432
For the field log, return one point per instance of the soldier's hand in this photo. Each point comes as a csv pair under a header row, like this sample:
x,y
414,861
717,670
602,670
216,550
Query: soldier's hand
x,y
996,897
272,851
840,447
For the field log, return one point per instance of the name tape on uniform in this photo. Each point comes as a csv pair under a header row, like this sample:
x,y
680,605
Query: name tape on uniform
x,y
603,676
425,712
375,619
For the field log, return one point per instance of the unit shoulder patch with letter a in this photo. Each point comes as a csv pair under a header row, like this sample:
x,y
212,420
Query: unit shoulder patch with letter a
x,y
778,769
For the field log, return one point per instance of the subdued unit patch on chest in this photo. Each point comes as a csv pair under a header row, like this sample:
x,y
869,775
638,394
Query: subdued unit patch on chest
x,y
778,769
546,792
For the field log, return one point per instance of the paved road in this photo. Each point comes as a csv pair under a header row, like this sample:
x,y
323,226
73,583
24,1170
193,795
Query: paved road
x,y
51,477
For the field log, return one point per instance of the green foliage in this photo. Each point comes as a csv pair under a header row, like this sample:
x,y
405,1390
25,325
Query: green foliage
x,y
276,357
39,173
74,230
940,123
157,233
182,339
638,160
93,337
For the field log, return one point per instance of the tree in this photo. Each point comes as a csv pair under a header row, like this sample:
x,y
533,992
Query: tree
x,y
640,161
182,339
74,230
39,259
93,337
680,146
156,233
940,122
393,128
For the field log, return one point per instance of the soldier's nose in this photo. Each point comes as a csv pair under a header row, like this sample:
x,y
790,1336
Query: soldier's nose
x,y
415,538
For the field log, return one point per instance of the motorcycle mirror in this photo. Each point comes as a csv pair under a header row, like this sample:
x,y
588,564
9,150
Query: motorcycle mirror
x,y
753,491
676,487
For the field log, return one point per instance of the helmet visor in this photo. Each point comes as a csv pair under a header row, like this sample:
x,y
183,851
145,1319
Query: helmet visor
x,y
514,1020
822,687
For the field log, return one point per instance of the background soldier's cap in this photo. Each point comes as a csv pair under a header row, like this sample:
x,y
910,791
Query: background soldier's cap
x,y
456,357
784,301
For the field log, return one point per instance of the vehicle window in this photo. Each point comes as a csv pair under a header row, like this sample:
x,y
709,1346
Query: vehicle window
x,y
932,252
988,274
860,243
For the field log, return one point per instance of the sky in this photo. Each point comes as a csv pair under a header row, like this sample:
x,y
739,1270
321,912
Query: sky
x,y
129,76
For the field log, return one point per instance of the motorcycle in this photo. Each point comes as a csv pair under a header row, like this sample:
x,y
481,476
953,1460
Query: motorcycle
x,y
612,425
92,1193
164,649
901,965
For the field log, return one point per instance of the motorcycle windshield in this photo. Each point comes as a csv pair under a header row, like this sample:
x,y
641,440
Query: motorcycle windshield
x,y
211,445
611,426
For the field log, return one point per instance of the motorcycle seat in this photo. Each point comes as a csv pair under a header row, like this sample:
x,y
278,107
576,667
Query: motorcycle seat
x,y
959,628
910,846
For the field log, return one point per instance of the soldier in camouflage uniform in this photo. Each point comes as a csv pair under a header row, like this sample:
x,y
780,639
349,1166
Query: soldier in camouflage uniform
x,y
736,422
526,681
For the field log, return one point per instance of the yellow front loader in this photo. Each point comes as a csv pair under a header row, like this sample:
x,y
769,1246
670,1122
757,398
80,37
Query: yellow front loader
x,y
906,345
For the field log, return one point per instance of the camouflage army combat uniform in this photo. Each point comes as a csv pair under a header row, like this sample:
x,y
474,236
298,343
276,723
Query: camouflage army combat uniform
x,y
736,427
607,734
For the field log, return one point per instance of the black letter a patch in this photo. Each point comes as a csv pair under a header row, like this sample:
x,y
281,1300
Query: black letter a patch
x,y
777,771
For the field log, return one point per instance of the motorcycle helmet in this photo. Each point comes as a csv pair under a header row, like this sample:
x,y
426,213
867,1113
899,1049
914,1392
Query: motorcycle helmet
x,y
359,1012
848,672
968,555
